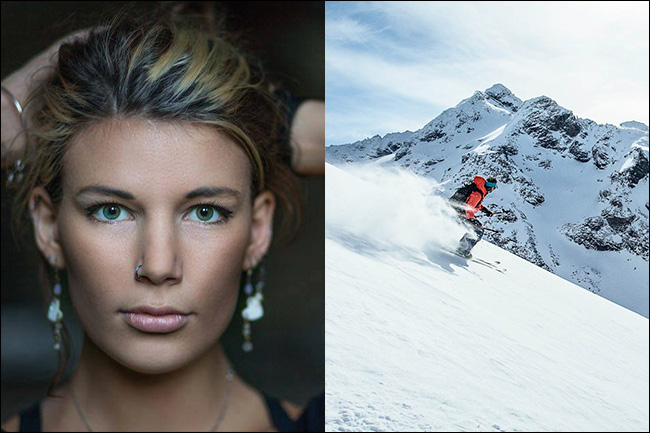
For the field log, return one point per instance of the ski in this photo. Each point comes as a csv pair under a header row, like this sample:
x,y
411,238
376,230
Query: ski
x,y
493,265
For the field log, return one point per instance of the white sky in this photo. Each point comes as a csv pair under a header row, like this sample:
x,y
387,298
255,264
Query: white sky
x,y
393,66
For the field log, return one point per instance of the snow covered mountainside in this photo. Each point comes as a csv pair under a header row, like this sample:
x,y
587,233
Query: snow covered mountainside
x,y
422,340
577,190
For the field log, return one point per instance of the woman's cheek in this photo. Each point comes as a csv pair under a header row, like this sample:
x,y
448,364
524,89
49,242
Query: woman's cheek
x,y
96,289
218,271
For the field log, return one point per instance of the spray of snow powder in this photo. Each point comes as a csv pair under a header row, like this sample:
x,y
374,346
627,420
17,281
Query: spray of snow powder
x,y
391,206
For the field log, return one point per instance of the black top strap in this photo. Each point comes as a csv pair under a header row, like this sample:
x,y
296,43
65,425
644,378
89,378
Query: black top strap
x,y
312,419
280,419
30,418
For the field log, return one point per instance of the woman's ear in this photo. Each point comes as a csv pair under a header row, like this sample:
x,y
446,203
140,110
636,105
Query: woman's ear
x,y
46,231
261,229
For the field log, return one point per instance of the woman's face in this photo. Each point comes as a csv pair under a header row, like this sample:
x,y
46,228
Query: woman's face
x,y
193,247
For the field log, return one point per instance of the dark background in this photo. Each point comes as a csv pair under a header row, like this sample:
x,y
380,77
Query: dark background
x,y
289,356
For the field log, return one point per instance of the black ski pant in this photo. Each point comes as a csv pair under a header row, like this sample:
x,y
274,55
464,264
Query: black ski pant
x,y
470,239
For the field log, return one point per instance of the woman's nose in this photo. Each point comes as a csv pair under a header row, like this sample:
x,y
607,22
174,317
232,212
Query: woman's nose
x,y
159,255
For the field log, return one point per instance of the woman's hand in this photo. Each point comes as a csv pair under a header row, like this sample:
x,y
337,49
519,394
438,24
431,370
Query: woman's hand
x,y
308,138
20,83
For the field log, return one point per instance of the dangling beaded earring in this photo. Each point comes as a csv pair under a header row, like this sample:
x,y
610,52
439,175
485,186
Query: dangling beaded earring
x,y
54,313
253,310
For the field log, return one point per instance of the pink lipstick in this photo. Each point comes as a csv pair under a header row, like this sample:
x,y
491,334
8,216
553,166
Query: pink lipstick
x,y
155,320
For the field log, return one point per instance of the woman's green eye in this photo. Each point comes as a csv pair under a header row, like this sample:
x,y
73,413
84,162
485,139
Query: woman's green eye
x,y
205,214
110,212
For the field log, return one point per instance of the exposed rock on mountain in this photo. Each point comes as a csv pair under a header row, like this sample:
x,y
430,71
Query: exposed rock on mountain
x,y
578,190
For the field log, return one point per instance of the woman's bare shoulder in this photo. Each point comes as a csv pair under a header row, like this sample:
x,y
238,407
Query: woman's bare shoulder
x,y
12,424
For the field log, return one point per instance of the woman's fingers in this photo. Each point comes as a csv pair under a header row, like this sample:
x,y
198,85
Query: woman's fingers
x,y
20,83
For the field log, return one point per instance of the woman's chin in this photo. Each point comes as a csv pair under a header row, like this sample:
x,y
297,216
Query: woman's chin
x,y
150,353
152,361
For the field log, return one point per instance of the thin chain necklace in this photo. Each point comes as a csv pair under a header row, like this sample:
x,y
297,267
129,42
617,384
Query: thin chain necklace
x,y
222,411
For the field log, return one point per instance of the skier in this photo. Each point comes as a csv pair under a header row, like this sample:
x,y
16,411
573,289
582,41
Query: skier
x,y
467,201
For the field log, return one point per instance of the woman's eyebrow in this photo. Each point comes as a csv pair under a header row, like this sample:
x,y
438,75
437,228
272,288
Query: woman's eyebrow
x,y
204,191
212,191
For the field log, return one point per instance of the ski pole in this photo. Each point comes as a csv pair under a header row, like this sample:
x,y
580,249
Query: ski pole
x,y
490,230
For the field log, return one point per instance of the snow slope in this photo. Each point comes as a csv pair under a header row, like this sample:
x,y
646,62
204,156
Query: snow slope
x,y
421,340
577,190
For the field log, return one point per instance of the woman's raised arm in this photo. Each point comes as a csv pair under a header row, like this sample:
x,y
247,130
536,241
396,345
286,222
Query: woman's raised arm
x,y
19,84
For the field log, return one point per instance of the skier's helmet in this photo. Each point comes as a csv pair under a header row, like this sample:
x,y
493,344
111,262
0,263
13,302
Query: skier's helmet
x,y
491,184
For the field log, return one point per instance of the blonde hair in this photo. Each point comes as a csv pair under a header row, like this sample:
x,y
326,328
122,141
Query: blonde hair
x,y
162,67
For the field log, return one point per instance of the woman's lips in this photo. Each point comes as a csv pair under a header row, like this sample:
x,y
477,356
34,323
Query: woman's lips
x,y
157,324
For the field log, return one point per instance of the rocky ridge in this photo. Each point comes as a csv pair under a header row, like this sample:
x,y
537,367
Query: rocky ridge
x,y
577,190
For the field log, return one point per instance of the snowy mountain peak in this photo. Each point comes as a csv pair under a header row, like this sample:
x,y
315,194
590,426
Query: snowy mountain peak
x,y
497,97
504,97
497,89
635,125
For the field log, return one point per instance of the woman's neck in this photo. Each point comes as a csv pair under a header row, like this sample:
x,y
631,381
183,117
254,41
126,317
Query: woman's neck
x,y
114,398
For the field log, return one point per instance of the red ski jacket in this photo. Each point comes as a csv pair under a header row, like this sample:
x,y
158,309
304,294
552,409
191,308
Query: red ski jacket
x,y
473,201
